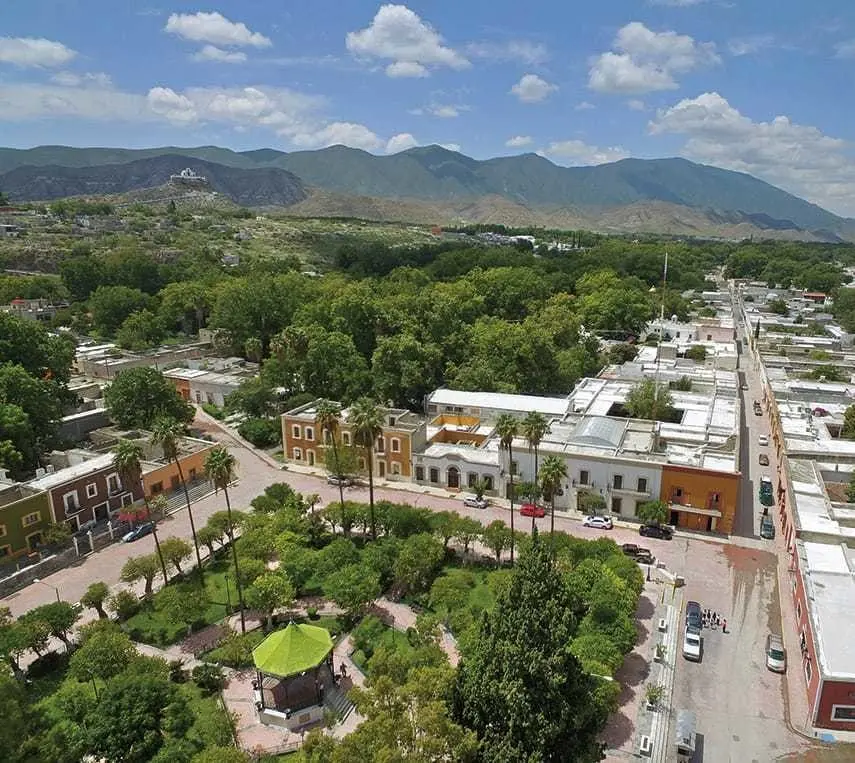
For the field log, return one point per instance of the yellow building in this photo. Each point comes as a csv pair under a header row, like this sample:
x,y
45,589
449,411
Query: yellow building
x,y
700,499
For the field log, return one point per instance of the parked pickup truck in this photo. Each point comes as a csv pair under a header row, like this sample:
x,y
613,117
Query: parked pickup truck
x,y
641,555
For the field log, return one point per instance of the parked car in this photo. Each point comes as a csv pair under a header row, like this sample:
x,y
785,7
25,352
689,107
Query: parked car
x,y
656,531
692,644
473,502
630,549
767,528
138,532
764,459
766,485
744,385
763,439
85,527
332,479
694,615
603,523
641,555
532,510
776,655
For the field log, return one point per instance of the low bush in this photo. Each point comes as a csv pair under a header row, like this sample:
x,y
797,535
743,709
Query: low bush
x,y
209,678
261,432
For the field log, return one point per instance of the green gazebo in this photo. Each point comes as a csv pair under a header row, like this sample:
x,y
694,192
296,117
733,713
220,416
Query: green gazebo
x,y
294,666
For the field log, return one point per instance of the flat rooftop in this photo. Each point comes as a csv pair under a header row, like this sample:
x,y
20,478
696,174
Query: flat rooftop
x,y
499,401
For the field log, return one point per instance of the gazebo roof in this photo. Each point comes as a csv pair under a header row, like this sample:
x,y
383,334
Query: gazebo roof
x,y
292,650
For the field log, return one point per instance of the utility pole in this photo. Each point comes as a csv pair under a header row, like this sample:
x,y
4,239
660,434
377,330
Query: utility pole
x,y
661,330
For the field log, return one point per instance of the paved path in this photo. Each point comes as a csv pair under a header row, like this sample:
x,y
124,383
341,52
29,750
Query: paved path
x,y
401,617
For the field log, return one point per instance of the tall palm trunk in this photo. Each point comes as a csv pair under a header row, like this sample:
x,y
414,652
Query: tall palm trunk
x,y
511,472
190,514
552,522
338,468
156,539
371,491
235,560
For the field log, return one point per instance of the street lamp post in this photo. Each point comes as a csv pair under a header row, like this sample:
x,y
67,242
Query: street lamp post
x,y
228,596
42,582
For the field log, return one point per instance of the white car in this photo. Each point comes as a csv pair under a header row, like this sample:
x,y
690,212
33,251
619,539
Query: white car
x,y
604,523
763,439
692,644
473,502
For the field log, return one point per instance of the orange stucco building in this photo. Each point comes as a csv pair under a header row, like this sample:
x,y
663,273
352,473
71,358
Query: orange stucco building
x,y
700,499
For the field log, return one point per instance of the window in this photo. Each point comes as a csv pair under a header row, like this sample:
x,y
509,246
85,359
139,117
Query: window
x,y
434,475
174,482
798,610
471,480
295,432
157,488
114,484
396,467
676,494
714,499
584,477
420,474
488,482
91,490
808,671
617,503
5,551
192,475
843,712
617,482
69,500
31,519
327,437
381,444
642,484
361,463
310,433
297,454
345,438
395,444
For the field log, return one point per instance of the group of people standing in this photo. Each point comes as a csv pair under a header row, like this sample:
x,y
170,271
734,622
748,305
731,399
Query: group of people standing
x,y
713,620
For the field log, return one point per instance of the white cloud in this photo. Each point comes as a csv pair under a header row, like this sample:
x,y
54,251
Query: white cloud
x,y
533,89
340,134
399,35
400,69
87,79
213,53
400,142
584,106
34,52
451,147
22,102
524,51
845,49
518,141
579,152
798,158
634,104
177,108
644,61
746,46
214,28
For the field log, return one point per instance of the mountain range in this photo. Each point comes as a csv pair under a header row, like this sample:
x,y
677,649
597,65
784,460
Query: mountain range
x,y
432,180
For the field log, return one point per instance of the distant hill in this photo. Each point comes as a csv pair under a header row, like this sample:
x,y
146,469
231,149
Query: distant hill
x,y
437,175
248,187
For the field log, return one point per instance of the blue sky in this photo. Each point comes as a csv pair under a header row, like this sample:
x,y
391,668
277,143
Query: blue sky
x,y
762,86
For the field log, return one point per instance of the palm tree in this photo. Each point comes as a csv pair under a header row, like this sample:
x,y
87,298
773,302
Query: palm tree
x,y
167,434
507,427
127,461
553,472
220,469
366,418
328,418
534,427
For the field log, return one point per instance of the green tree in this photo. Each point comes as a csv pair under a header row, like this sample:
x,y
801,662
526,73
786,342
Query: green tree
x,y
13,640
127,461
444,524
467,531
405,369
697,352
82,274
140,331
175,551
269,592
507,428
218,754
777,306
850,490
142,568
220,469
103,655
182,603
497,536
521,690
655,512
418,562
552,475
167,433
60,617
138,397
95,596
647,401
328,421
353,588
847,432
17,720
111,305
534,427
366,420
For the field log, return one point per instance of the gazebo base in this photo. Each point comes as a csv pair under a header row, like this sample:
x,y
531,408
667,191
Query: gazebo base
x,y
292,721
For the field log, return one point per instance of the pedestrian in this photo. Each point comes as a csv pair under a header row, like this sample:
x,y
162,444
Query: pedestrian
x,y
343,670
724,626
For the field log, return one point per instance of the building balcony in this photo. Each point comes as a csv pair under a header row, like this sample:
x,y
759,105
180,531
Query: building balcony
x,y
630,492
710,511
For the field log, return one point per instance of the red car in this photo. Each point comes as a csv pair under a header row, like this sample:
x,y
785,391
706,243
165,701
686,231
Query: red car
x,y
530,510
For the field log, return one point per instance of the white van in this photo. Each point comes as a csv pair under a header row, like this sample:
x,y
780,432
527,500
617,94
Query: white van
x,y
685,736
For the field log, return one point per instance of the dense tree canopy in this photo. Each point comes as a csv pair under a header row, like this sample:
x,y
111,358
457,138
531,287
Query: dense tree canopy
x,y
140,396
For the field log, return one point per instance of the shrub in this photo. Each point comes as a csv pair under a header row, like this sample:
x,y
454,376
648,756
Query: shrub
x,y
50,662
261,432
209,678
177,674
312,613
213,410
367,634
125,604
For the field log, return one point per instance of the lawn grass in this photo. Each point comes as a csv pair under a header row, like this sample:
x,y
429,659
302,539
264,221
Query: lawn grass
x,y
211,724
391,639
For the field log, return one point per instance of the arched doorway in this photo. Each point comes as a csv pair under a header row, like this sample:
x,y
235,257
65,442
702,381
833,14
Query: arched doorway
x,y
453,477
